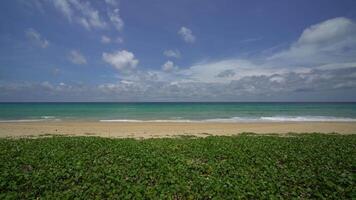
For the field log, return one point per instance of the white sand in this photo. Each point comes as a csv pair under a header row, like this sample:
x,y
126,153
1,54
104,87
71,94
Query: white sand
x,y
163,129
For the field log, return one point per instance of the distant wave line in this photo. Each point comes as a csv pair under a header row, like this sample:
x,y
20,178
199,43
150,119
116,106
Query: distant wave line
x,y
246,119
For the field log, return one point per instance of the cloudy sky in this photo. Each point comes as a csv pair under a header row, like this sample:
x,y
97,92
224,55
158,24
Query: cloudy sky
x,y
177,50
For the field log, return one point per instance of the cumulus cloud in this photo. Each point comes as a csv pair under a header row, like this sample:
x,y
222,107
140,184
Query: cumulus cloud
x,y
169,66
329,45
172,53
64,7
89,17
115,19
211,71
146,86
85,12
326,72
226,73
186,34
112,2
121,60
331,55
275,86
332,40
81,12
105,39
36,38
77,58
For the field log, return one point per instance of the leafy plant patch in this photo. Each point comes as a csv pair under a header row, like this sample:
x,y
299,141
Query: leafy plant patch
x,y
304,166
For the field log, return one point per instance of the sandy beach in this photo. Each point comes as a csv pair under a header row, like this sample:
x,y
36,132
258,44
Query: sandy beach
x,y
167,129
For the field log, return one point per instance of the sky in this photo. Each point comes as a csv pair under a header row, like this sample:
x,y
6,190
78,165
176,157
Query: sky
x,y
182,50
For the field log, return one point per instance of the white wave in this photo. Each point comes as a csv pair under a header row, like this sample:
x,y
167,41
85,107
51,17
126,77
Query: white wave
x,y
285,119
233,119
308,119
48,117
247,119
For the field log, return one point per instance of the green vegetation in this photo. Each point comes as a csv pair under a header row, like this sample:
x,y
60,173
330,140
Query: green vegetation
x,y
245,166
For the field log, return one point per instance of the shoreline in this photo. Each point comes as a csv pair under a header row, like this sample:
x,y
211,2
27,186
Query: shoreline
x,y
167,129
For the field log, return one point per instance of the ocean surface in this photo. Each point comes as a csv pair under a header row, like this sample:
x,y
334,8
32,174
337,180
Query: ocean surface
x,y
178,112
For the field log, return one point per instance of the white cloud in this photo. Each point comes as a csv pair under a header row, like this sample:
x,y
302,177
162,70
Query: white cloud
x,y
115,19
186,34
316,85
121,60
210,72
77,58
64,7
81,12
154,85
169,66
89,17
112,2
105,39
329,31
332,40
235,78
277,78
172,53
328,68
36,37
337,66
226,73
328,45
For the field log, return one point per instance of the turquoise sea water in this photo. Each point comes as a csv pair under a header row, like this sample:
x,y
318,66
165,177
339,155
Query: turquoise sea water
x,y
178,112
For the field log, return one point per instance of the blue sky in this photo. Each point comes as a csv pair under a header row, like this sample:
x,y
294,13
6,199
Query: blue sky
x,y
187,50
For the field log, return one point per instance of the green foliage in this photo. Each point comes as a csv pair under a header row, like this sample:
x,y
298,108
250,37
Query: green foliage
x,y
239,167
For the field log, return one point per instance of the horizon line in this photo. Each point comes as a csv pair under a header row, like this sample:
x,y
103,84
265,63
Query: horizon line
x,y
4,102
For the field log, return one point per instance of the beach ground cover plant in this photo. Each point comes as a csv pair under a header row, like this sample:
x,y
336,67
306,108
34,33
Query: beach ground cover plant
x,y
236,167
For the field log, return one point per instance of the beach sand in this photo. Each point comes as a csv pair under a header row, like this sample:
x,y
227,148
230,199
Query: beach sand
x,y
167,129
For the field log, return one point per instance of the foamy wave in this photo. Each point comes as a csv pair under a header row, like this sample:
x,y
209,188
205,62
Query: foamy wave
x,y
285,119
233,119
308,119
247,119
48,117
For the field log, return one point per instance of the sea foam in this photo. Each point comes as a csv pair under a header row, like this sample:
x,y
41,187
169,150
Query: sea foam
x,y
246,119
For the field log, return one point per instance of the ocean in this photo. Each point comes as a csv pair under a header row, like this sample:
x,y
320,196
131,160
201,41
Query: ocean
x,y
178,112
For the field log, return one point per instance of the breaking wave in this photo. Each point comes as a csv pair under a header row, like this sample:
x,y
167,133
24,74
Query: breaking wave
x,y
249,119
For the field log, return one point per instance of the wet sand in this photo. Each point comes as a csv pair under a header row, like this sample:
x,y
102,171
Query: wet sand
x,y
167,129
